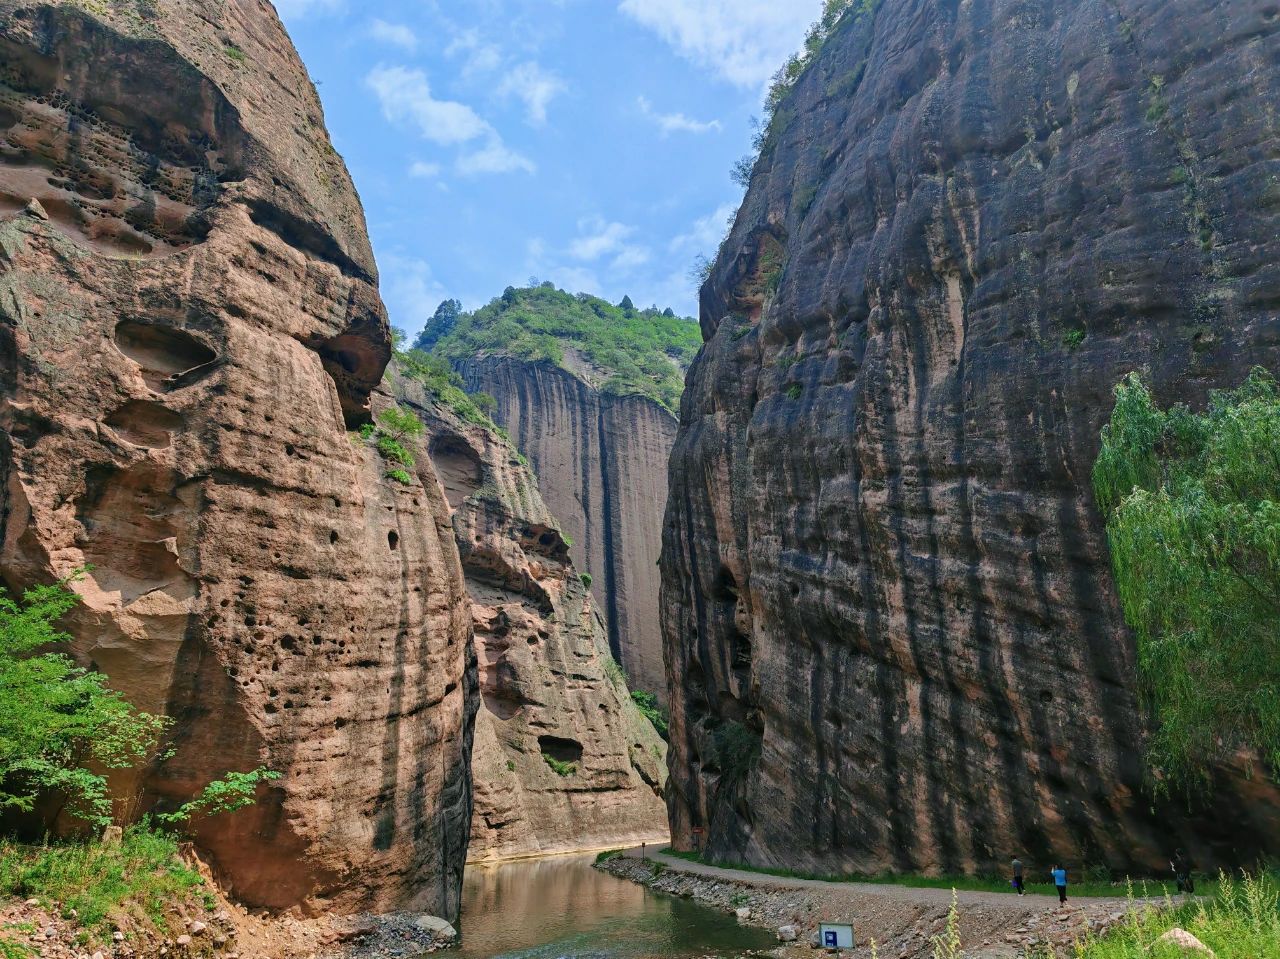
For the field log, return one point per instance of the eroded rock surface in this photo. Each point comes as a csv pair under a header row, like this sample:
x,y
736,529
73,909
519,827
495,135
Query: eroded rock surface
x,y
602,463
548,686
888,615
189,324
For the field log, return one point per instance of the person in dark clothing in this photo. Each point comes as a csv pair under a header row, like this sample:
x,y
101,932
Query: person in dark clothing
x,y
1060,880
1017,877
1182,873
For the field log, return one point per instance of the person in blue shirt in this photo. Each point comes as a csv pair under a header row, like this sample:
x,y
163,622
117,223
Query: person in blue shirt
x,y
1060,880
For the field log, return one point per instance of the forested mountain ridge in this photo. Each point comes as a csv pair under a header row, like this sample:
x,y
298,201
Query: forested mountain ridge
x,y
618,350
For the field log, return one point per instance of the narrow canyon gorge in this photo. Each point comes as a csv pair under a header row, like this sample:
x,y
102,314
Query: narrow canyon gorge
x,y
602,460
817,583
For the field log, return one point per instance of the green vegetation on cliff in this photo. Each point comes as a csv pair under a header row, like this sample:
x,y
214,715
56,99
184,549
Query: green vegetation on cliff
x,y
1192,503
619,349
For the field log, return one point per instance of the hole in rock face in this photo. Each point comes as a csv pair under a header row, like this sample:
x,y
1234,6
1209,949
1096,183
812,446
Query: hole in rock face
x,y
561,750
458,467
163,353
393,540
145,424
1046,696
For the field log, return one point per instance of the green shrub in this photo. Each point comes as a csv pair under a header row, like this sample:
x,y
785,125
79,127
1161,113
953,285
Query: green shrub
x,y
586,580
613,671
647,703
1073,338
794,391
61,727
606,856
560,768
400,476
234,53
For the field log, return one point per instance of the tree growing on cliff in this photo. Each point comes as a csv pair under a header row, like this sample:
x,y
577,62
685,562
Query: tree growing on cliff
x,y
1192,503
62,728
60,725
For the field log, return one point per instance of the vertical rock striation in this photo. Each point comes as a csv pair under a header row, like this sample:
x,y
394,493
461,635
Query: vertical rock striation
x,y
546,679
890,629
601,460
189,324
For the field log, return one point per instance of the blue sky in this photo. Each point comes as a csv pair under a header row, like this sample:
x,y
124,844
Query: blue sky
x,y
587,142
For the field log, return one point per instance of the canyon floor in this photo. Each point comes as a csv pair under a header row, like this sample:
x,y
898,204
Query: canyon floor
x,y
903,921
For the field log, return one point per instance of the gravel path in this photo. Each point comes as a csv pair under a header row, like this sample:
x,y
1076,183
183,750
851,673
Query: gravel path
x,y
903,920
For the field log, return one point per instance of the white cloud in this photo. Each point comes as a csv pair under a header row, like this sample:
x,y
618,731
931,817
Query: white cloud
x,y
744,41
296,9
670,123
410,290
395,34
597,239
495,157
536,87
405,96
479,56
706,232
424,171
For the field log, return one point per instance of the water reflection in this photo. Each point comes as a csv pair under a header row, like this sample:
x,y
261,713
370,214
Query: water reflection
x,y
553,908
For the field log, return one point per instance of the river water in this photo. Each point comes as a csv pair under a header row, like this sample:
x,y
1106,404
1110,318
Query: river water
x,y
562,907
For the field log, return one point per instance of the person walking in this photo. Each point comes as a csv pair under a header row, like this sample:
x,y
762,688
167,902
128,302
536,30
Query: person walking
x,y
1017,877
1060,880
1182,873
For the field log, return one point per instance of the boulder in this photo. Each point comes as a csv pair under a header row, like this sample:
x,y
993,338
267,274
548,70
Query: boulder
x,y
1184,941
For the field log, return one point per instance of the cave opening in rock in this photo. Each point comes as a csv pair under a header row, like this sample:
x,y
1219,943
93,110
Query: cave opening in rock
x,y
458,467
560,749
163,353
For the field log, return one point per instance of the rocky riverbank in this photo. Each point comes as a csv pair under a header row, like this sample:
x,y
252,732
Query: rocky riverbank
x,y
902,921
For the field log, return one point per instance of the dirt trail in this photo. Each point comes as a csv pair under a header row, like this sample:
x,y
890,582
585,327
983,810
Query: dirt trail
x,y
902,920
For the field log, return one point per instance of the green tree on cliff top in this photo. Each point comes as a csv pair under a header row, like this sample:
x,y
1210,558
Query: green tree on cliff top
x,y
1192,503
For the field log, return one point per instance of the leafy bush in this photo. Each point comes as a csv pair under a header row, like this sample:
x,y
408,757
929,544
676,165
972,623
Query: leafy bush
x,y
586,580
1073,338
560,768
391,429
647,703
231,793
1192,504
641,352
440,380
60,726
613,671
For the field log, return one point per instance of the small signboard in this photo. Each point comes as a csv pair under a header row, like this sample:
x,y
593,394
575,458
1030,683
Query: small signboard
x,y
836,935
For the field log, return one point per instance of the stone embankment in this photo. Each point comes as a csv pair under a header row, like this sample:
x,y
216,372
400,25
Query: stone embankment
x,y
903,921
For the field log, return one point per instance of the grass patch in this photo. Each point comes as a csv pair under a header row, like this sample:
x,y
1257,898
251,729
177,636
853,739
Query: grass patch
x,y
1241,921
1087,889
607,855
141,877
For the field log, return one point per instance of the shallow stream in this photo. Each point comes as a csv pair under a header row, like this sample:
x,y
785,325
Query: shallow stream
x,y
562,907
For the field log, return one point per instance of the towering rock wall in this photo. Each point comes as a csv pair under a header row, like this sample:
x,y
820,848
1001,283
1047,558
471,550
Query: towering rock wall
x,y
891,633
189,324
545,677
602,463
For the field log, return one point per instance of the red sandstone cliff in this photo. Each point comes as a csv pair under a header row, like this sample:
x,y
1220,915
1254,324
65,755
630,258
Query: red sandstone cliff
x,y
548,684
601,460
189,324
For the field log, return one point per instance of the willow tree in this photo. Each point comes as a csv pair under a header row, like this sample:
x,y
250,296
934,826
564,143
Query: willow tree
x,y
1192,503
